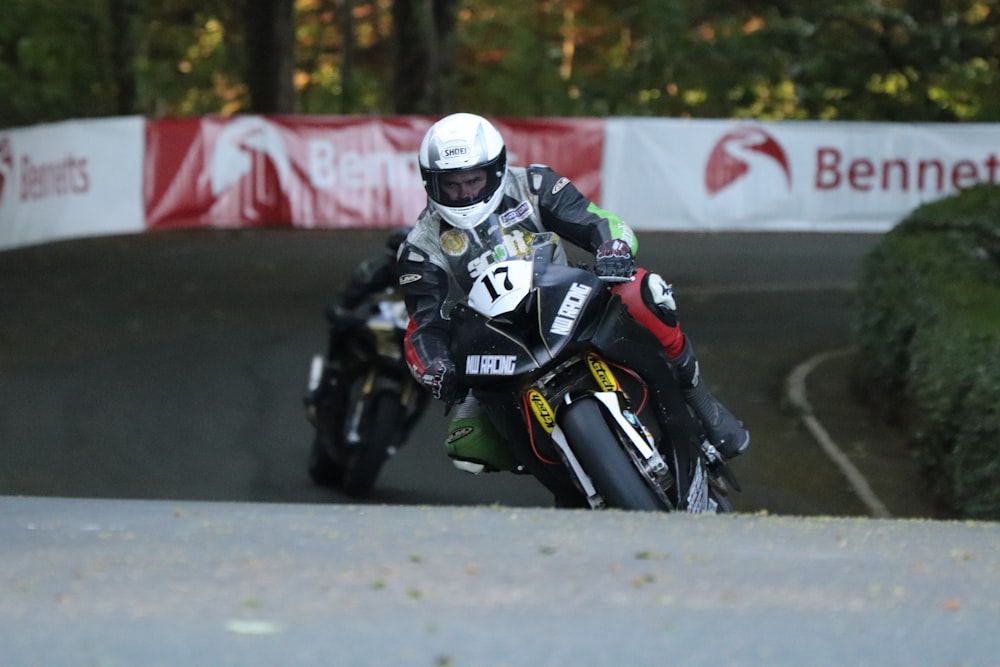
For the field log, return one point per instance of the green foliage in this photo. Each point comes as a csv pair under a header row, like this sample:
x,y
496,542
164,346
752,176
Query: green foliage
x,y
189,61
901,60
338,72
928,327
495,57
892,60
51,53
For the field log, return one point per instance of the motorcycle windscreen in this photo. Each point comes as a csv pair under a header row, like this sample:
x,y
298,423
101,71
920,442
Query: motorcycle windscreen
x,y
568,297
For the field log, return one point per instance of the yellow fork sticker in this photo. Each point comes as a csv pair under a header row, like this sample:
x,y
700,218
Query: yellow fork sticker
x,y
602,373
543,411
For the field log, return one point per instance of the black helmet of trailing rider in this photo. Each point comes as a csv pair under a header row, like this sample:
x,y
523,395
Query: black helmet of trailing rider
x,y
395,239
463,162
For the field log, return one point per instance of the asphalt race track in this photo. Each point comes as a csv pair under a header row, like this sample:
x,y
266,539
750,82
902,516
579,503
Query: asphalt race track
x,y
169,367
207,584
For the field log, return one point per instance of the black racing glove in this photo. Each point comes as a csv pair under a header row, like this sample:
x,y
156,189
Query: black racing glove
x,y
440,379
614,261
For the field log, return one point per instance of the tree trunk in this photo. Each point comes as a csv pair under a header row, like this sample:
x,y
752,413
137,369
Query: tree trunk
x,y
122,18
269,29
422,32
348,95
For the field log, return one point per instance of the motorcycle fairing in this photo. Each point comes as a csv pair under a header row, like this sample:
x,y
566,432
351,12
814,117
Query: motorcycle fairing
x,y
500,320
501,288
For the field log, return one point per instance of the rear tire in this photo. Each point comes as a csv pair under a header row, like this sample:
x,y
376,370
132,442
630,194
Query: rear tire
x,y
609,466
365,459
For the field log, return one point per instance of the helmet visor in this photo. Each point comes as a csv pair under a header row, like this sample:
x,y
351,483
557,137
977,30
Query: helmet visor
x,y
465,187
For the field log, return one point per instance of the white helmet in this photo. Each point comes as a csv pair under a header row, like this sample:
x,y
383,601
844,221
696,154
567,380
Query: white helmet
x,y
457,143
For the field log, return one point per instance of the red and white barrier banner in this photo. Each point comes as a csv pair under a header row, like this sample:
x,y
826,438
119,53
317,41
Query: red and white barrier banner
x,y
324,171
70,179
108,176
814,176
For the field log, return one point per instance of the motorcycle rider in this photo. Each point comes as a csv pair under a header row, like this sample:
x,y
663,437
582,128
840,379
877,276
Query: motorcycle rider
x,y
371,276
479,210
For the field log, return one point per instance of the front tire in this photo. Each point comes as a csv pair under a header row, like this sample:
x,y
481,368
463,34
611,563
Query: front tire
x,y
365,459
322,469
609,466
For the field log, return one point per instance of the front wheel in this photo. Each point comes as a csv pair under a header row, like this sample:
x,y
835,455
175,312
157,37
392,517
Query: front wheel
x,y
322,469
609,466
383,421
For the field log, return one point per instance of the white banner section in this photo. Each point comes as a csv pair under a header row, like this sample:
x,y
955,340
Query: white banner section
x,y
71,179
705,175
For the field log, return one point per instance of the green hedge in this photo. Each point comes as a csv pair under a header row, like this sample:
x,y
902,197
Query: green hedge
x,y
928,329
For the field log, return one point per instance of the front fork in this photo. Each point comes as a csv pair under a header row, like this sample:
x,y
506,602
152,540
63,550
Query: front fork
x,y
636,438
316,371
360,392
372,383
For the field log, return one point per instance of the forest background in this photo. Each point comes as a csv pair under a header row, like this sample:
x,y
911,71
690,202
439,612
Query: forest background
x,y
892,60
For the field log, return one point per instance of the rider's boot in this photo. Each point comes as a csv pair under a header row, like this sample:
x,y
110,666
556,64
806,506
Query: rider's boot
x,y
474,444
726,433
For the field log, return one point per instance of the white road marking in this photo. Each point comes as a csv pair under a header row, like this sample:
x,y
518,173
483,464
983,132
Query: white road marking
x,y
796,388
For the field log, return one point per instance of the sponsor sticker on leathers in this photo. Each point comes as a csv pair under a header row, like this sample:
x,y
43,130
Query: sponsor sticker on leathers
x,y
453,242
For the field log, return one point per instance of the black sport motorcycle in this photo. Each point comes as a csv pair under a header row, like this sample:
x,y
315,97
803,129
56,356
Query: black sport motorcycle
x,y
361,398
583,394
